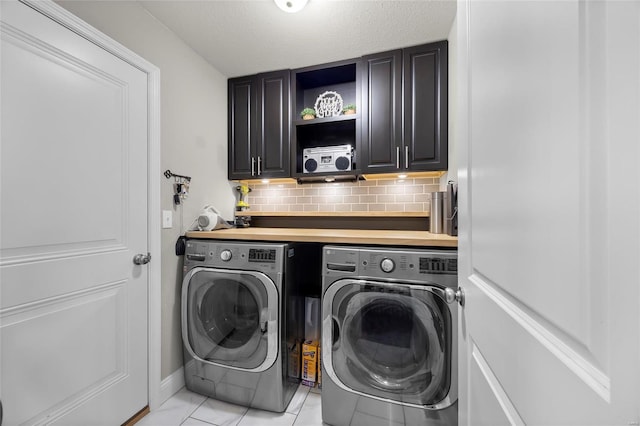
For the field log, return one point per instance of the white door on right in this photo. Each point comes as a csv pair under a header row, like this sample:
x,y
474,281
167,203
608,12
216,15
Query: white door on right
x,y
549,193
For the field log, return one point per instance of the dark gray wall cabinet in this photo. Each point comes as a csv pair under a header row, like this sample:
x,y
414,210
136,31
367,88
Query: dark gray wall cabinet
x,y
259,126
400,124
404,120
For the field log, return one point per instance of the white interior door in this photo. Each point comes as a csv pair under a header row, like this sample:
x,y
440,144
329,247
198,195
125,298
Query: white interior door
x,y
549,212
73,306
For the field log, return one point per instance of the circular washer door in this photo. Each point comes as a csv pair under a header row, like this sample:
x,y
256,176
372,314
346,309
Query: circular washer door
x,y
230,318
392,341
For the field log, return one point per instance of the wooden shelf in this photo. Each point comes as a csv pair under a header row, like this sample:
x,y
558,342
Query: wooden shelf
x,y
334,214
325,120
335,236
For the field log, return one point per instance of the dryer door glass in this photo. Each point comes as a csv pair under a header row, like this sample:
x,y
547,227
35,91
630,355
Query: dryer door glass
x,y
392,341
228,317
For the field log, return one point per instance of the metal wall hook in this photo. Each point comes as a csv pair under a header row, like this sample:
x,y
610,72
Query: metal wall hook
x,y
168,174
181,186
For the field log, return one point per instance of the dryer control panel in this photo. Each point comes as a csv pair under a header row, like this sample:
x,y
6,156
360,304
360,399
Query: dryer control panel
x,y
391,263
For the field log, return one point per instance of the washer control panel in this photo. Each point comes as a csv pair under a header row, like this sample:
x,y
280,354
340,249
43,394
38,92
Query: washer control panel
x,y
262,255
252,256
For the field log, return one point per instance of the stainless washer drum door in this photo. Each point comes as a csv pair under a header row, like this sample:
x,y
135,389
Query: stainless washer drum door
x,y
230,318
392,341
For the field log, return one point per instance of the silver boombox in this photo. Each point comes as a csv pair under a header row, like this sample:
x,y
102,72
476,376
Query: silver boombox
x,y
327,159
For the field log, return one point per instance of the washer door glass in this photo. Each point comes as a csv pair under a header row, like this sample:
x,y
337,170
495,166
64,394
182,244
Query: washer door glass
x,y
228,317
392,341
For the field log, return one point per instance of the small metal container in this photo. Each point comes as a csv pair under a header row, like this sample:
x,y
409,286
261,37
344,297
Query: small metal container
x,y
436,215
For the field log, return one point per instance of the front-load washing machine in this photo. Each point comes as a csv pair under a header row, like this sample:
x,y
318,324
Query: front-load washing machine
x,y
242,319
389,348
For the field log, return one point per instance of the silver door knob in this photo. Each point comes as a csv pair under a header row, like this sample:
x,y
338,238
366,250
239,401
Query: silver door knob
x,y
451,295
142,259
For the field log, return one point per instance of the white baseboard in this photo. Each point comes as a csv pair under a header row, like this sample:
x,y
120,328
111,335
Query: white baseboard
x,y
171,384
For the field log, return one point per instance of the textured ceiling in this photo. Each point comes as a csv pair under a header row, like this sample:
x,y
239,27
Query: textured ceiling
x,y
242,37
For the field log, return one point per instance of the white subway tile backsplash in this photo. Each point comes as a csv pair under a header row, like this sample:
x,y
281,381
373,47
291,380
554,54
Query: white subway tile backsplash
x,y
326,207
395,207
408,195
404,198
378,190
386,199
289,200
367,199
421,198
310,207
359,207
415,207
359,190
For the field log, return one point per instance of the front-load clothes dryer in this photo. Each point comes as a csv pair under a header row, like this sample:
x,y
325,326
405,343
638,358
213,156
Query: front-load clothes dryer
x,y
242,320
389,346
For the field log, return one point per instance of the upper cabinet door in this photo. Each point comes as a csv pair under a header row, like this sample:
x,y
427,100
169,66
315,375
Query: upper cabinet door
x,y
425,107
405,121
273,125
382,115
259,123
241,127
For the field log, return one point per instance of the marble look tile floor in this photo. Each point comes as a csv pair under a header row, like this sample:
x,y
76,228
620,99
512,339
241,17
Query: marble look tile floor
x,y
186,408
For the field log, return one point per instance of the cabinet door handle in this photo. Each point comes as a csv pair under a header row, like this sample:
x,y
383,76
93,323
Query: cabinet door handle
x,y
259,162
406,157
397,157
253,166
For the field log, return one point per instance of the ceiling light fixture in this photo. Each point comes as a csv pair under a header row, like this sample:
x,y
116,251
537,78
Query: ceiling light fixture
x,y
291,6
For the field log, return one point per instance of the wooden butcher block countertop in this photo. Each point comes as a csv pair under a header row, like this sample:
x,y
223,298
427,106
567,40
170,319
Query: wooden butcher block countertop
x,y
335,236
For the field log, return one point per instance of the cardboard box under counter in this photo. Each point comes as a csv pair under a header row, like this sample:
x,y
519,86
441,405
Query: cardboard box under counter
x,y
309,363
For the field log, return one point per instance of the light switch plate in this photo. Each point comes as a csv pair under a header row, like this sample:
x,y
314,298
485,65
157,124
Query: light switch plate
x,y
167,219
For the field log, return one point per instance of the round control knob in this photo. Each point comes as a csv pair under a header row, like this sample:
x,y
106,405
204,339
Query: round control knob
x,y
387,265
226,255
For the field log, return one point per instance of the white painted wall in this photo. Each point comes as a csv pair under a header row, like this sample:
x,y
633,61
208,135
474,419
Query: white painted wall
x,y
194,136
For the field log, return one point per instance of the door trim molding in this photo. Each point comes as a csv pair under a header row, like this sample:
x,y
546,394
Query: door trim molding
x,y
577,358
499,393
75,24
172,384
